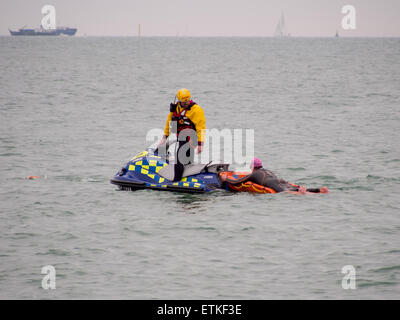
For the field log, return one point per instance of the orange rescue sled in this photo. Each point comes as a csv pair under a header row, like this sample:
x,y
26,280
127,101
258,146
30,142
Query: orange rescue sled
x,y
247,186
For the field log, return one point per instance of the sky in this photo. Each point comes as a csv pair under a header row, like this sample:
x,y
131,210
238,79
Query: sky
x,y
304,18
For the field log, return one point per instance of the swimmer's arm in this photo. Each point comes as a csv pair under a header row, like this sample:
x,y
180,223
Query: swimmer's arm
x,y
238,181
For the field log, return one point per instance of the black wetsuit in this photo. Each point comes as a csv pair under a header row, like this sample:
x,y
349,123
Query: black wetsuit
x,y
267,179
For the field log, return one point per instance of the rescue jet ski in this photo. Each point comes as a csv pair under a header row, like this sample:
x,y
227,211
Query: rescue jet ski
x,y
151,169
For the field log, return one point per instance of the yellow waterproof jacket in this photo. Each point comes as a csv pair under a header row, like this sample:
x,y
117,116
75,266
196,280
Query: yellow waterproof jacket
x,y
195,114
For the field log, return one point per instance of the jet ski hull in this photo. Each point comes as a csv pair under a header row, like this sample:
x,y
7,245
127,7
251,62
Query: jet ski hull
x,y
142,172
133,186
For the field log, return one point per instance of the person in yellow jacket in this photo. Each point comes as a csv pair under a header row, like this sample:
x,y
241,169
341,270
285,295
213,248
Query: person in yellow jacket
x,y
186,119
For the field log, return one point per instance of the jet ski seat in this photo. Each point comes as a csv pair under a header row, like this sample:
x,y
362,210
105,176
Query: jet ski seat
x,y
191,169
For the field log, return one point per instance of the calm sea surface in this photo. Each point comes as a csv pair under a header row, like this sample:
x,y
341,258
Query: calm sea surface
x,y
324,112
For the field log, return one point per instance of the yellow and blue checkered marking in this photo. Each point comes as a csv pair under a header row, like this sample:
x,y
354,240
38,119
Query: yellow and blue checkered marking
x,y
148,167
189,179
187,184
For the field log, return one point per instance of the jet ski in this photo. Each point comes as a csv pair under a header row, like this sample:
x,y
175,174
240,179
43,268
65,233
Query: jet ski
x,y
152,169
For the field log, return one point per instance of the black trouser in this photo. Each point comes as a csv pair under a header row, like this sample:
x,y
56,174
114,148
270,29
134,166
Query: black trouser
x,y
184,155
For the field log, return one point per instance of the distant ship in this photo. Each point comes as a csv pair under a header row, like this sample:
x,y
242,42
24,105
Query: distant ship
x,y
281,30
44,32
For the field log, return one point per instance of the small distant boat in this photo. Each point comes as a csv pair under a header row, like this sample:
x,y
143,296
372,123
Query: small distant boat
x,y
281,29
43,32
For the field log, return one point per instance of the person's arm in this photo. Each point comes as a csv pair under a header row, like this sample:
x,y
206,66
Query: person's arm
x,y
199,120
166,130
239,181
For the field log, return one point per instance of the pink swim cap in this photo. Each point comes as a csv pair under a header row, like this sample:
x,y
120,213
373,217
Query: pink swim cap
x,y
256,163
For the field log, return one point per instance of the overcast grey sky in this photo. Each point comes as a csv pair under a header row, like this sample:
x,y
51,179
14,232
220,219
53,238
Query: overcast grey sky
x,y
375,18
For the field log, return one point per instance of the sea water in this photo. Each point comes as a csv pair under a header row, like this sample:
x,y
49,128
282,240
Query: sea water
x,y
325,112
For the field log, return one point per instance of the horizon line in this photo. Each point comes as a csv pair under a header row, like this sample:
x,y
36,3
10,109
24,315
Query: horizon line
x,y
210,36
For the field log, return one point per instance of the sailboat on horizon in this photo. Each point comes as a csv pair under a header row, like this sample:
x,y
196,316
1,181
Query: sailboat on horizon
x,y
281,29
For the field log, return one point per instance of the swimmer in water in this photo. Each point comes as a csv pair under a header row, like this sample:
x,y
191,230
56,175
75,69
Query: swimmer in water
x,y
266,178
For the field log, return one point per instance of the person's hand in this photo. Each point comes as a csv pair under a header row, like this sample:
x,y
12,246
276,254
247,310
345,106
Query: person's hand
x,y
162,141
199,148
323,190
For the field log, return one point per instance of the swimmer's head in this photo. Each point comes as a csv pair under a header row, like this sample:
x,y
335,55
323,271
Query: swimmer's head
x,y
255,164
